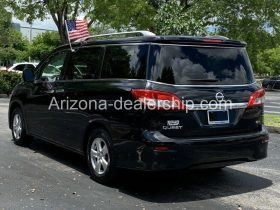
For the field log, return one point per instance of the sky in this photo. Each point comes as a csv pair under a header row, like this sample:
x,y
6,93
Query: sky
x,y
46,24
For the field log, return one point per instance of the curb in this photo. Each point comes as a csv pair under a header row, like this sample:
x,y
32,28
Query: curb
x,y
4,96
272,129
272,90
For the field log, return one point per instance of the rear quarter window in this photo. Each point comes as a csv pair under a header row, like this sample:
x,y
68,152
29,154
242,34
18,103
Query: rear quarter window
x,y
191,65
86,63
126,61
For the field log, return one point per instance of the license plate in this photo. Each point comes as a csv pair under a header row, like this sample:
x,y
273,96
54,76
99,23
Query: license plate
x,y
218,117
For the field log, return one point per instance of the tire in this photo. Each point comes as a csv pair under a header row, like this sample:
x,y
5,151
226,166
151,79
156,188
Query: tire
x,y
100,157
19,129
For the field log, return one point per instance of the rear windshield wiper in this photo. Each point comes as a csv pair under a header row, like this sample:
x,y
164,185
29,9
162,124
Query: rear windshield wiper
x,y
203,80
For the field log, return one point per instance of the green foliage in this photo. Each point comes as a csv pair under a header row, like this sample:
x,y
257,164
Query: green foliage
x,y
269,61
124,14
12,45
100,28
43,44
118,14
8,80
7,53
173,19
17,46
272,120
256,22
59,10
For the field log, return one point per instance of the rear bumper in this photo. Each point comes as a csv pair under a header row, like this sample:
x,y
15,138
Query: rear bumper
x,y
191,153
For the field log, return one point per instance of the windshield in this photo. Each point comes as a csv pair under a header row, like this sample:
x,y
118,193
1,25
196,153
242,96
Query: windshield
x,y
192,65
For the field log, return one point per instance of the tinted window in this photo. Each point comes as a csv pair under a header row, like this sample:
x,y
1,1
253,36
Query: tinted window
x,y
85,63
200,65
19,67
29,66
125,62
52,70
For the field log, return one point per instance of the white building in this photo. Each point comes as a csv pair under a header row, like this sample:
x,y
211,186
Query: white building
x,y
30,32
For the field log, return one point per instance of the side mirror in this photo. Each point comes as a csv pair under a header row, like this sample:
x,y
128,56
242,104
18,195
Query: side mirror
x,y
28,75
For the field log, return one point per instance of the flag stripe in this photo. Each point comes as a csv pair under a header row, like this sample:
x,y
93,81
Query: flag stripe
x,y
77,29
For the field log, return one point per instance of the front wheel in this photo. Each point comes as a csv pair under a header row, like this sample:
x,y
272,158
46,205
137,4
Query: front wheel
x,y
100,157
18,129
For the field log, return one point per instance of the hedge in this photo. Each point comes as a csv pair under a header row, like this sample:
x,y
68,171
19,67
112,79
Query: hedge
x,y
8,80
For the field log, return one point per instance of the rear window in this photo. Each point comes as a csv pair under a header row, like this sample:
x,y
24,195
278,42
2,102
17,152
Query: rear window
x,y
194,65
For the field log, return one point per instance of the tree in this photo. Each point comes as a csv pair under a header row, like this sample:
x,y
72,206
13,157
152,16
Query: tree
x,y
101,28
256,22
174,19
59,10
269,61
14,49
124,14
43,44
12,45
116,13
5,23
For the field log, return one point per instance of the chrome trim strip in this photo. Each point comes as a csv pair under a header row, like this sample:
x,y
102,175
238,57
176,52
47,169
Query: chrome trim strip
x,y
151,81
225,106
149,43
197,45
161,83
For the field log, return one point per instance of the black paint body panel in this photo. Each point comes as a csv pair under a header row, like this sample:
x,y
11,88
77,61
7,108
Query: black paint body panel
x,y
135,133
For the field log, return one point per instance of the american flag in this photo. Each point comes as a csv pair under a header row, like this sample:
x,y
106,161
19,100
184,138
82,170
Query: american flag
x,y
77,29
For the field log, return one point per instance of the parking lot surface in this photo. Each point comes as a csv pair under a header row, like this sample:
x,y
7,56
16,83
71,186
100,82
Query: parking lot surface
x,y
272,102
43,176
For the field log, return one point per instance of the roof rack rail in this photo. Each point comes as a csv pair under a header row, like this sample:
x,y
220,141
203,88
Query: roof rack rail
x,y
132,33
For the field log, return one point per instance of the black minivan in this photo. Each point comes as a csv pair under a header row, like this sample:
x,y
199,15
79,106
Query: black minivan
x,y
145,103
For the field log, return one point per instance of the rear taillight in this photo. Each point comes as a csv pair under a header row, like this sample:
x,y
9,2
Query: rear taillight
x,y
161,148
158,100
257,98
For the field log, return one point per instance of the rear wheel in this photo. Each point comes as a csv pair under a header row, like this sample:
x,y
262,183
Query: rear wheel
x,y
100,157
19,129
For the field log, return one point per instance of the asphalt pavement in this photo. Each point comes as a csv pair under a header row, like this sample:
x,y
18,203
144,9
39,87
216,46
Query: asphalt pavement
x,y
272,102
43,176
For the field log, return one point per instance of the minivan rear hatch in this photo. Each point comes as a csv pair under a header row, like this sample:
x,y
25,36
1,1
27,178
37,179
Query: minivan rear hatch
x,y
203,76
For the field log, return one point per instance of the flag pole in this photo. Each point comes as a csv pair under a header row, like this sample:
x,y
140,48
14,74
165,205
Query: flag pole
x,y
72,50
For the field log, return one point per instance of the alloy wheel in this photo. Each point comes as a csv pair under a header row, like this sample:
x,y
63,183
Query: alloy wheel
x,y
99,154
17,126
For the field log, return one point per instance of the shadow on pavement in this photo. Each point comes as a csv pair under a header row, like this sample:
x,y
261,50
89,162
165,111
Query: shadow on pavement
x,y
166,187
61,155
183,186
